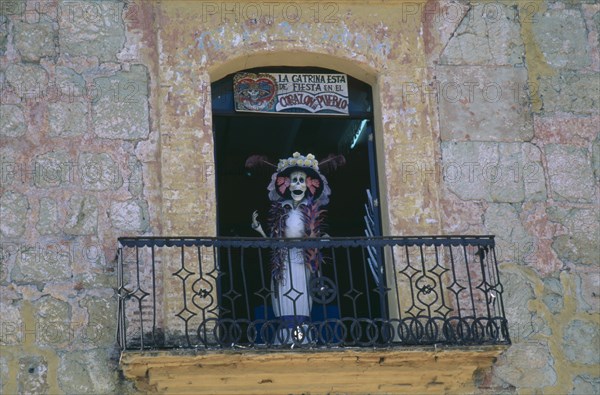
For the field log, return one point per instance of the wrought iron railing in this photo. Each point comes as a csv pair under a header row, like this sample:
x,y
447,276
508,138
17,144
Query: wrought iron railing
x,y
187,292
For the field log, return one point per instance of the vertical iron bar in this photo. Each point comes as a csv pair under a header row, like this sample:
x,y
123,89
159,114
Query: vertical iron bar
x,y
464,246
492,278
423,273
484,282
289,268
367,290
324,305
153,299
337,282
231,286
200,278
396,281
500,297
262,281
382,289
187,335
455,282
349,260
412,291
246,295
437,263
121,325
137,266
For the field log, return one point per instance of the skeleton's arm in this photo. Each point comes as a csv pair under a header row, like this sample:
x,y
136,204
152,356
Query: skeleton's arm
x,y
256,225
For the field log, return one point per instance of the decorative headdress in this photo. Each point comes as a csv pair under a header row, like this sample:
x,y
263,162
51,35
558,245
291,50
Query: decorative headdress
x,y
316,182
309,165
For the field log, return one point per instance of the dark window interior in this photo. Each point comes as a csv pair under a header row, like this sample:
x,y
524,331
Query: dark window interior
x,y
240,191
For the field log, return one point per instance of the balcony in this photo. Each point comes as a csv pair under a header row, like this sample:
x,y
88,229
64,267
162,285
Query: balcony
x,y
205,298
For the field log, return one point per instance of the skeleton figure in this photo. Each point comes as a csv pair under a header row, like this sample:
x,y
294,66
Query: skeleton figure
x,y
297,192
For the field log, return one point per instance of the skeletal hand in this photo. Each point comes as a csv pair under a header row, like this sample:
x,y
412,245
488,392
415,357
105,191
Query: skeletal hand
x,y
256,225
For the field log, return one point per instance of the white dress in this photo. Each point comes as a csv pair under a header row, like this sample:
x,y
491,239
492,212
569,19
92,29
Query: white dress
x,y
290,297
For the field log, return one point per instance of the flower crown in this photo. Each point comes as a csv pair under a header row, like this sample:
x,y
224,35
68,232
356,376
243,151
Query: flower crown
x,y
296,159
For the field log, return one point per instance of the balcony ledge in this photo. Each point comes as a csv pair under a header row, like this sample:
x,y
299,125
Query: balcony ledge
x,y
427,370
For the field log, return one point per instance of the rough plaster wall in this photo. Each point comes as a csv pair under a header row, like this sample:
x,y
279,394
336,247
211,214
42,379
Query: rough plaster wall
x,y
489,124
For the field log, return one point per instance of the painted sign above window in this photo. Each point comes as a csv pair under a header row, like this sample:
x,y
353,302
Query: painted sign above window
x,y
322,94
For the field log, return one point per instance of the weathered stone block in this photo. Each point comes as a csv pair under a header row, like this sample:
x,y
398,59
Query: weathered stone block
x,y
516,296
581,245
91,28
570,173
48,217
581,342
135,181
70,84
532,172
3,34
121,110
572,92
82,218
14,209
527,365
483,103
27,80
585,385
34,40
3,368
553,295
12,121
67,119
130,216
496,172
567,129
11,317
597,23
588,291
99,172
4,256
40,263
11,7
494,30
53,322
87,372
596,156
101,325
53,169
562,37
33,375
513,243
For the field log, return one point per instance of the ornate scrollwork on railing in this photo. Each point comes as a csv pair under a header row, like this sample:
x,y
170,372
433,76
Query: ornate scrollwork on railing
x,y
217,293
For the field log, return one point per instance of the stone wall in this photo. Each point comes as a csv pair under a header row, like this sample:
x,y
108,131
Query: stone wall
x,y
487,119
76,150
519,160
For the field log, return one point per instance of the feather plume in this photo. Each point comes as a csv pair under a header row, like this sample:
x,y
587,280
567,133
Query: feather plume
x,y
313,221
331,163
258,161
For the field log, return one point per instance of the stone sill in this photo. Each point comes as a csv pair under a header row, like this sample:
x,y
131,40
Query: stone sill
x,y
407,370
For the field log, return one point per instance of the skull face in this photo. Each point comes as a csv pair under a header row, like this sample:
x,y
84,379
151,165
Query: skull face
x,y
298,185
